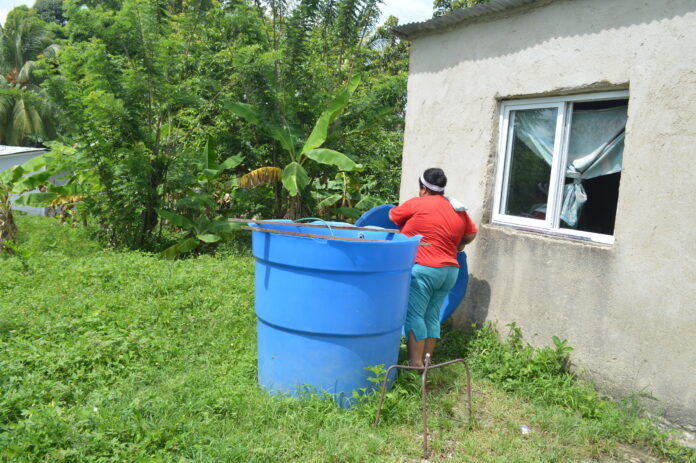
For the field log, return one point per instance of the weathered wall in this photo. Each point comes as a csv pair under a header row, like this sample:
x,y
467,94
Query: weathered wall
x,y
627,308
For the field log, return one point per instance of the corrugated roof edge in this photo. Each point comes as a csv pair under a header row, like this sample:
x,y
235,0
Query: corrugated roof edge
x,y
7,150
412,30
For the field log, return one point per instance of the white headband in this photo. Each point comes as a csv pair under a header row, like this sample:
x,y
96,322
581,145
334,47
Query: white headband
x,y
430,186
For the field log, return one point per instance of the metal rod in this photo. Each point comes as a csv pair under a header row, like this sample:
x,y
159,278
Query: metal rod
x,y
468,392
427,366
310,235
315,225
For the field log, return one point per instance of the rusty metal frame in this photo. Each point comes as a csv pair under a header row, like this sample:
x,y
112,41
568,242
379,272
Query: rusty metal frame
x,y
424,374
313,225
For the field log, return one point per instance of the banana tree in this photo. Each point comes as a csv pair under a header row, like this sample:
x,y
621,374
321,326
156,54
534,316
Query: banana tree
x,y
11,181
27,176
294,175
201,222
8,228
35,174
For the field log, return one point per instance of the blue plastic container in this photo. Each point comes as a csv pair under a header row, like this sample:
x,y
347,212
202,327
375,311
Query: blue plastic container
x,y
328,308
377,217
458,291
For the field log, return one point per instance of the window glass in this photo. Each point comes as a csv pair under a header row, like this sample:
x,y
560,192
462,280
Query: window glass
x,y
532,135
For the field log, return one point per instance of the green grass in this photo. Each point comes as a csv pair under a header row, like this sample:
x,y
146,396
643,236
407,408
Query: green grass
x,y
112,356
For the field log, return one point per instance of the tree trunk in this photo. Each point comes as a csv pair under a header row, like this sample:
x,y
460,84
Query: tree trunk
x,y
8,228
294,211
278,194
149,215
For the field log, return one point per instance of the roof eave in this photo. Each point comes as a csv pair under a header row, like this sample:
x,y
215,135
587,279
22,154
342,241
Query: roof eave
x,y
6,150
462,15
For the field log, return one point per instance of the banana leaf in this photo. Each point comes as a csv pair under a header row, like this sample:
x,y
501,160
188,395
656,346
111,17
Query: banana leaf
x,y
261,176
231,162
209,238
175,219
30,182
36,199
187,245
222,225
368,202
321,128
282,133
334,158
295,178
329,201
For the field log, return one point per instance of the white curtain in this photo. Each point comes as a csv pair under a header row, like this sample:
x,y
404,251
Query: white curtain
x,y
537,129
595,148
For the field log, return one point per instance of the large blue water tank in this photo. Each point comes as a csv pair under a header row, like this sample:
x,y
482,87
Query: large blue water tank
x,y
328,308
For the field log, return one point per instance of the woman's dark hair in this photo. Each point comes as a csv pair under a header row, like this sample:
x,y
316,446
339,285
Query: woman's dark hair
x,y
434,176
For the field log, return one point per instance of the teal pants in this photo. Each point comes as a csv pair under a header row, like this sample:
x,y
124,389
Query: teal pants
x,y
429,287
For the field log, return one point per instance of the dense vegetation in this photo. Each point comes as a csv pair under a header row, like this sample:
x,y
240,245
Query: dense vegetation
x,y
138,97
120,356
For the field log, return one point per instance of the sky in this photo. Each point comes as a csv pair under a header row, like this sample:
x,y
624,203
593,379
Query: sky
x,y
406,10
7,5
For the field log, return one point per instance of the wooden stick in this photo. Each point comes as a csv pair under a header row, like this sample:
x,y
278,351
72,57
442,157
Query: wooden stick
x,y
324,237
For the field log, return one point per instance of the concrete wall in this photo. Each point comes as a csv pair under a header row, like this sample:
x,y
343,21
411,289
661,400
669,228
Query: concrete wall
x,y
627,308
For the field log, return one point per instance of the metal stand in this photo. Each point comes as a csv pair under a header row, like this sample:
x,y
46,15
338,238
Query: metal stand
x,y
424,372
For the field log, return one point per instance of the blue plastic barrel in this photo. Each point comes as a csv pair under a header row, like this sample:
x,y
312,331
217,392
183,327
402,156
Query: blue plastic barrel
x,y
377,217
328,308
458,291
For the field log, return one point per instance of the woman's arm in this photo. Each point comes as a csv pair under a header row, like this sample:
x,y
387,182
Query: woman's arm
x,y
400,214
390,215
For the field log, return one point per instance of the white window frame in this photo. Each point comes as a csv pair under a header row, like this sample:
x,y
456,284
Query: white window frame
x,y
551,224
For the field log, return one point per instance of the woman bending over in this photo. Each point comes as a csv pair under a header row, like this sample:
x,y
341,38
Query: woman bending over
x,y
446,230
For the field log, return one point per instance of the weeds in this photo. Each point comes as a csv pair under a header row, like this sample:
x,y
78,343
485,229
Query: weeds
x,y
119,356
22,255
543,376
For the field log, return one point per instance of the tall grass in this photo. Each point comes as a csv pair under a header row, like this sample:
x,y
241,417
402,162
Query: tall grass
x,y
121,356
112,356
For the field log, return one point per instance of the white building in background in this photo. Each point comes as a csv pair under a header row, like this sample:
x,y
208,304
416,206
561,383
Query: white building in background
x,y
11,156
568,127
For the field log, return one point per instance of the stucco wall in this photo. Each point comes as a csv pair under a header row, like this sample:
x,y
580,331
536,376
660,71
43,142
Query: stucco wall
x,y
627,308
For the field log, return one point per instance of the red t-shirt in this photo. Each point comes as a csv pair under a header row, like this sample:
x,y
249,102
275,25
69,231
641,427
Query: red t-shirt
x,y
434,218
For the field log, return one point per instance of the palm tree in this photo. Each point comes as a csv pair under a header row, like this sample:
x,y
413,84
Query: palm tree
x,y
24,108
